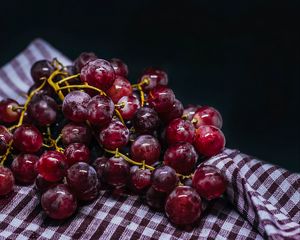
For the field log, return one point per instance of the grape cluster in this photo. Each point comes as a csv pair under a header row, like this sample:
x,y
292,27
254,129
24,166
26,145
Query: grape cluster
x,y
85,128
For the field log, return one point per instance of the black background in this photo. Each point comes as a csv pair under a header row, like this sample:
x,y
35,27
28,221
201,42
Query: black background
x,y
241,57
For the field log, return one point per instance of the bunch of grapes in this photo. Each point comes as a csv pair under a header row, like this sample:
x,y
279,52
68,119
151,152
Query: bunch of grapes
x,y
85,128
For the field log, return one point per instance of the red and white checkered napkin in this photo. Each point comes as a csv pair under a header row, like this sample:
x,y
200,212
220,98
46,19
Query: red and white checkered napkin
x,y
262,200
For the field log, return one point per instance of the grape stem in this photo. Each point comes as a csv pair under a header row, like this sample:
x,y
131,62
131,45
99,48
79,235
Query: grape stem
x,y
146,81
4,157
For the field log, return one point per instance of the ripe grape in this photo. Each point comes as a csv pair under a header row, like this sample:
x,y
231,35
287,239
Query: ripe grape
x,y
155,77
76,133
98,73
180,130
83,59
208,116
181,157
100,110
23,168
77,152
209,140
130,106
83,181
189,112
52,166
43,109
114,136
175,112
116,172
27,138
156,199
209,182
164,179
9,111
161,99
146,120
99,165
41,70
74,106
145,148
120,88
183,206
7,181
59,202
140,179
119,66
42,185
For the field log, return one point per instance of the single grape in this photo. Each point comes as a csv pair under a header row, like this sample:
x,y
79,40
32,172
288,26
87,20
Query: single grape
x,y
42,185
182,157
5,138
114,136
189,112
52,166
82,179
41,70
120,88
119,66
76,133
209,182
180,130
74,106
208,116
146,120
83,59
209,140
156,199
183,206
116,172
23,168
98,73
59,202
145,148
43,109
7,181
175,112
77,152
100,110
130,105
27,138
164,179
99,165
9,111
140,179
154,78
161,99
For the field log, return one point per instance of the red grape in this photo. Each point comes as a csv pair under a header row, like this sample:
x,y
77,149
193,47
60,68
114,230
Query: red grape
x,y
156,199
181,157
175,112
83,181
209,182
146,120
161,99
183,206
52,166
7,181
41,70
98,73
180,130
76,133
140,179
164,179
120,88
208,116
74,106
209,140
59,202
130,106
99,165
116,172
9,111
145,148
77,152
119,66
189,112
27,138
155,77
42,185
23,168
114,136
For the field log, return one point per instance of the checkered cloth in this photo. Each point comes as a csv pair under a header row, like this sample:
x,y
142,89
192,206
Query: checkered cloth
x,y
262,200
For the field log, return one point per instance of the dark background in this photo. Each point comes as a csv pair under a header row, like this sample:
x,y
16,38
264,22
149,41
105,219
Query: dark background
x,y
241,57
